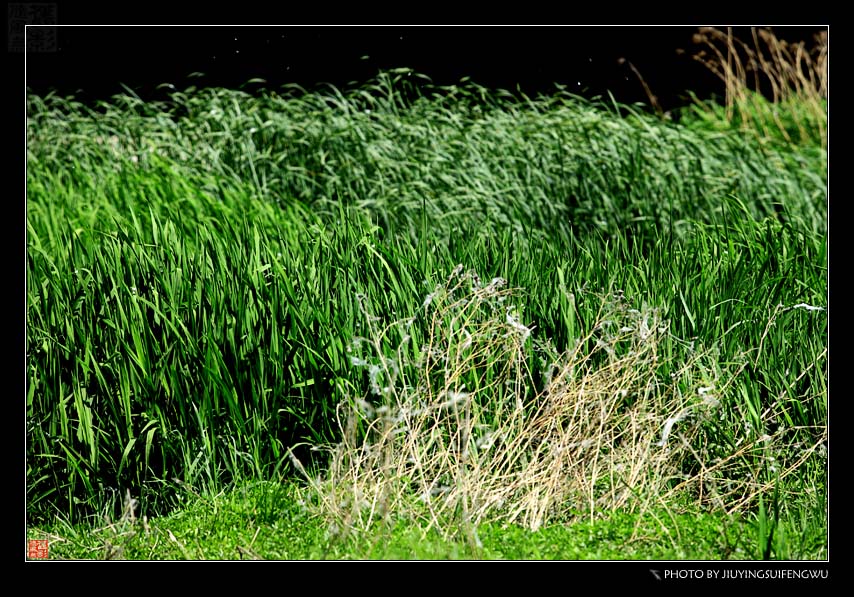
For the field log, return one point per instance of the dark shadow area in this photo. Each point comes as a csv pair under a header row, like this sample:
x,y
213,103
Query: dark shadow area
x,y
92,62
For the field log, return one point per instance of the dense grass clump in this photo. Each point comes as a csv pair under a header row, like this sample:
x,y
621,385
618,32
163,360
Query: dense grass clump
x,y
202,276
457,423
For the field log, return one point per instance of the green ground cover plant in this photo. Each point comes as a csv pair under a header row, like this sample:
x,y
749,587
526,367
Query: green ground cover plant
x,y
268,521
439,316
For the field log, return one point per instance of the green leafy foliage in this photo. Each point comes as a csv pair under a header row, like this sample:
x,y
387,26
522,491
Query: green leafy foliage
x,y
196,271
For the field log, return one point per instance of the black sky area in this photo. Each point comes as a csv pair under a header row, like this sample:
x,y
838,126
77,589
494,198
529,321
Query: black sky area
x,y
92,62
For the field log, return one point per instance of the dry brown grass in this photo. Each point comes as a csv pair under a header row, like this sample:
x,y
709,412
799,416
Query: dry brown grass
x,y
794,77
460,438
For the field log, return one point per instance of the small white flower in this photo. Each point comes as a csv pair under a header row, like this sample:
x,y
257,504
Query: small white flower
x,y
806,307
365,408
468,339
454,398
668,426
512,321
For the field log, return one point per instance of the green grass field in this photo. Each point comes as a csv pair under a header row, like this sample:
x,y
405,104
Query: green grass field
x,y
382,323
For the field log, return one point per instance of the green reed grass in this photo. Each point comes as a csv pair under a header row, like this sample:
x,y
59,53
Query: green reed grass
x,y
194,267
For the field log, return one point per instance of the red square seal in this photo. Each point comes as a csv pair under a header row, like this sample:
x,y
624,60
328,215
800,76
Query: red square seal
x,y
37,549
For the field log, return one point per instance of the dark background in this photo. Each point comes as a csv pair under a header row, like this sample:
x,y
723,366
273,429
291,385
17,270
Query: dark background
x,y
91,62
